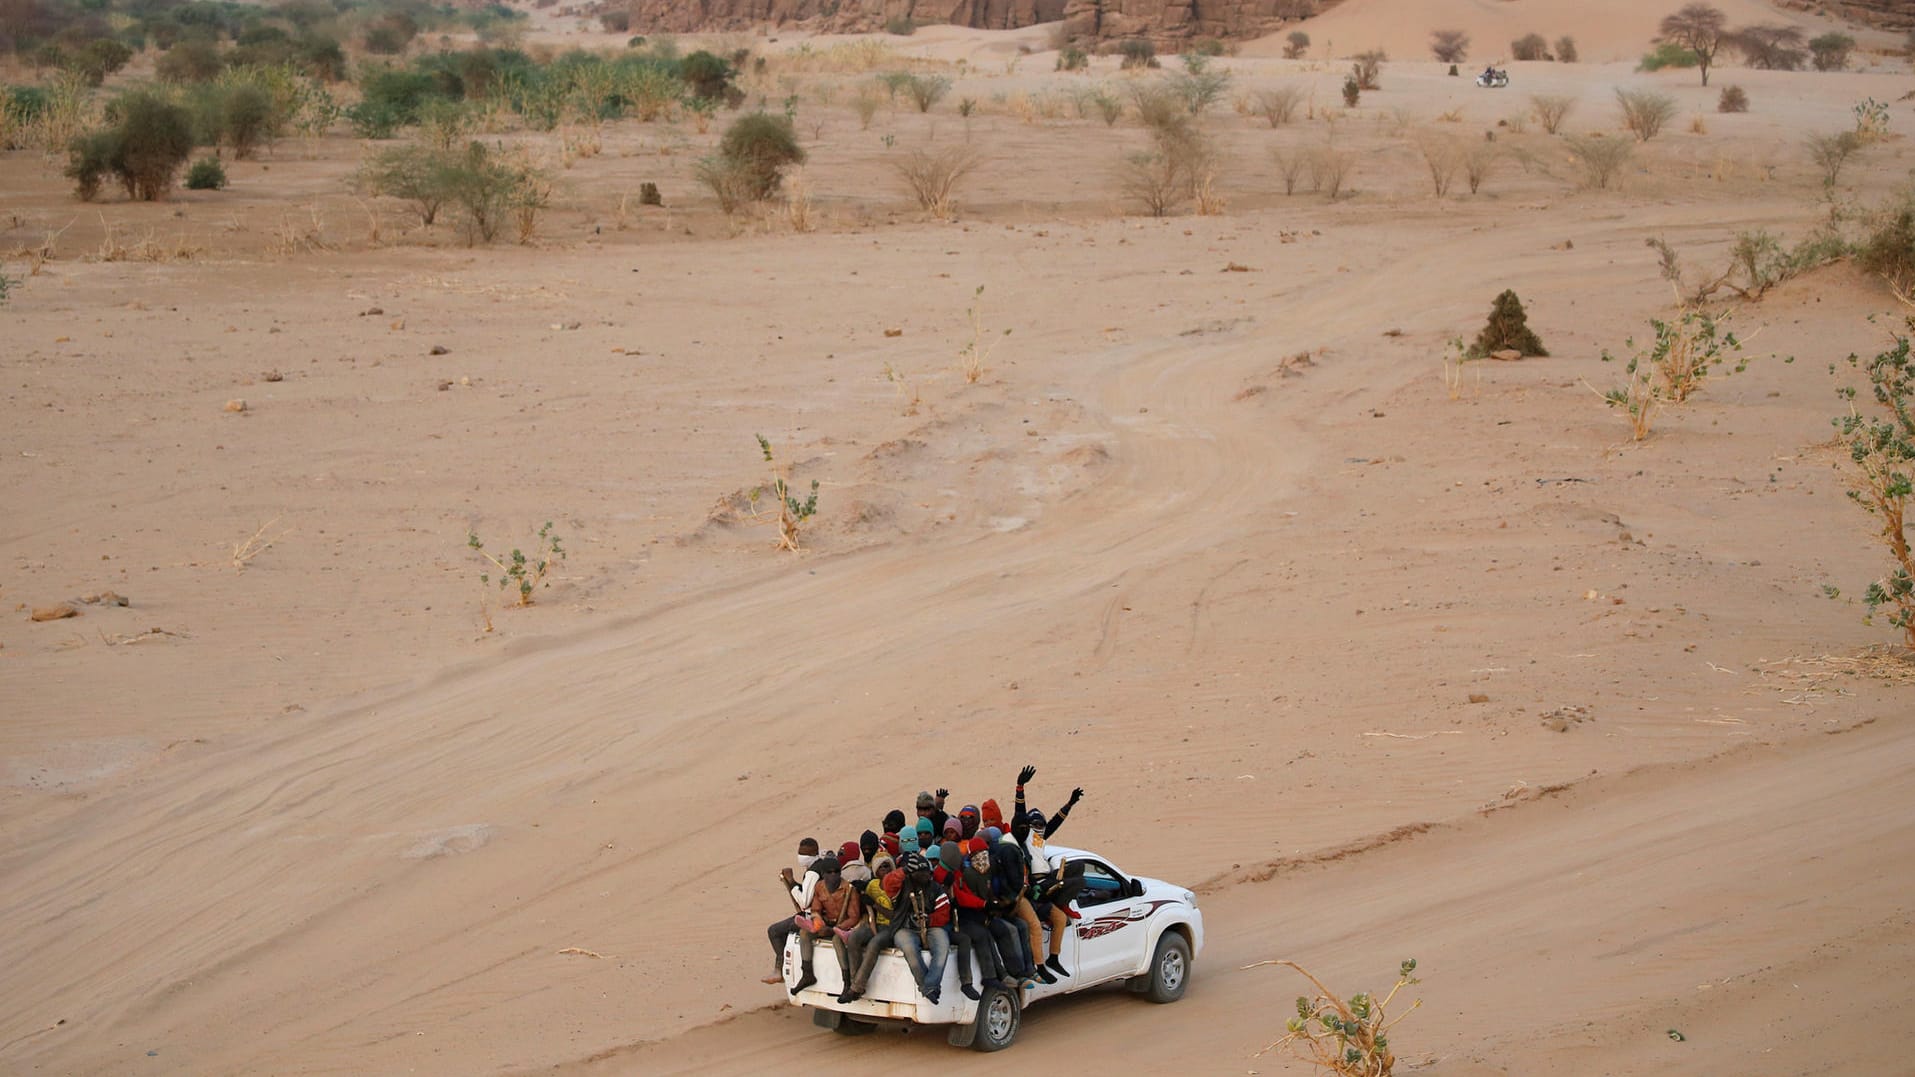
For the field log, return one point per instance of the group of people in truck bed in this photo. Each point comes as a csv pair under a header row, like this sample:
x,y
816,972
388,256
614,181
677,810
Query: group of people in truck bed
x,y
969,881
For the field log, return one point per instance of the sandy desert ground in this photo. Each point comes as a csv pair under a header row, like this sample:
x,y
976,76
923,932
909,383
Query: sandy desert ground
x,y
1299,627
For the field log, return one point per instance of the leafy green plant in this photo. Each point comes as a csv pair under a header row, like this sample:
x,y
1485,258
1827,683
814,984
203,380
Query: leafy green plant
x,y
1072,58
760,147
1199,84
207,174
1456,360
1295,44
1882,447
1366,66
1137,53
926,90
517,571
1667,54
1350,1039
1645,112
792,513
149,140
1352,91
1871,120
1675,366
1733,99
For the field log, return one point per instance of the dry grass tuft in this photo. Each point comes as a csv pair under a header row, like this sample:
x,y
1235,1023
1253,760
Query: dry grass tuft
x,y
931,177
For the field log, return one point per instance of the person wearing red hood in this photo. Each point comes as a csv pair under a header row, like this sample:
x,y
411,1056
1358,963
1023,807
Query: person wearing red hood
x,y
968,928
992,817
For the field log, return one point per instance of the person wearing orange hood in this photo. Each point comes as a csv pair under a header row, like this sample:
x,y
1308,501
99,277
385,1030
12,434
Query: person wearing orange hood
x,y
832,915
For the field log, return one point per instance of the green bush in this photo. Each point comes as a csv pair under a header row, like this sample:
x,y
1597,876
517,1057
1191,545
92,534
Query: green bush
x,y
762,147
1733,99
1831,50
1137,53
1072,58
1882,446
98,59
150,139
190,61
1887,248
900,25
411,173
1668,54
207,174
708,76
248,119
926,90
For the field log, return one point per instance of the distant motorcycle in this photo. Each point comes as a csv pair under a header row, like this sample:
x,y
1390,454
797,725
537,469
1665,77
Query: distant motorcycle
x,y
1493,79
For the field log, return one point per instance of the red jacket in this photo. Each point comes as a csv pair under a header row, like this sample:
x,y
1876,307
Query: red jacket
x,y
960,893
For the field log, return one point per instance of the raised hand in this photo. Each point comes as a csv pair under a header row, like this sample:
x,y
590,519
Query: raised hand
x,y
942,793
1077,794
1024,776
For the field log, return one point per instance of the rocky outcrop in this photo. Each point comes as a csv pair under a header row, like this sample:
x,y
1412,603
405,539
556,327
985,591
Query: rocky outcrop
x,y
1896,15
1164,22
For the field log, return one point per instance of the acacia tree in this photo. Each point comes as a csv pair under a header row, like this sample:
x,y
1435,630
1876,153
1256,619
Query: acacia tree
x,y
1700,28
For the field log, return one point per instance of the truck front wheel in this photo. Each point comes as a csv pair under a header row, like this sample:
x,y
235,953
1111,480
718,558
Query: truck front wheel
x,y
1169,969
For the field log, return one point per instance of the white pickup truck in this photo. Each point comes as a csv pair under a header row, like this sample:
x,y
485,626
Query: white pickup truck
x,y
1143,932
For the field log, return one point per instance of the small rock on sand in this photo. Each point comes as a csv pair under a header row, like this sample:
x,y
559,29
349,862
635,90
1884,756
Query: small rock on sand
x,y
236,405
59,612
1507,355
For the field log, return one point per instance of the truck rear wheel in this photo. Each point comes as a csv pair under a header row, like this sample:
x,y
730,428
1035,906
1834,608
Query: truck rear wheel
x,y
998,1015
1169,969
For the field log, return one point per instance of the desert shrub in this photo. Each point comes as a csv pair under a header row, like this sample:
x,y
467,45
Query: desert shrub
x,y
207,174
1666,54
706,75
1771,47
1507,330
1832,151
648,195
1871,120
149,141
1529,47
729,181
248,119
1887,246
615,21
1551,109
1365,67
1478,162
926,90
1110,108
1831,50
1199,85
1330,168
1733,99
1137,53
1209,46
1566,49
760,147
390,34
1449,46
90,160
647,90
1180,165
516,571
1158,105
866,103
190,61
1295,45
1352,91
1072,58
391,97
1442,156
488,187
792,513
931,177
321,57
97,59
1882,447
419,175
1278,106
900,26
1348,1039
1601,159
1291,163
1644,112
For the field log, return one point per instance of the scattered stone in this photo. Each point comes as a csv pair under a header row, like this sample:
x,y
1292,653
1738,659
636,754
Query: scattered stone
x,y
444,385
1560,719
1236,267
1478,697
565,326
54,613
399,324
440,349
1506,355
236,405
894,332
106,598
272,375
371,312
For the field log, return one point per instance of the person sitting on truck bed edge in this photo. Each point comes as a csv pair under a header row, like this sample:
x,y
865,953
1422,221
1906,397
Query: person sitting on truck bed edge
x,y
921,917
834,912
800,897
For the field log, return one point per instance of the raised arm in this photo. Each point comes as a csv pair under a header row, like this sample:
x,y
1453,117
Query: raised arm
x,y
1057,820
1020,828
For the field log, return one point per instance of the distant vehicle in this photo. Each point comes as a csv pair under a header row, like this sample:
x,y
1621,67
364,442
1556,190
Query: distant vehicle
x,y
1143,932
1494,79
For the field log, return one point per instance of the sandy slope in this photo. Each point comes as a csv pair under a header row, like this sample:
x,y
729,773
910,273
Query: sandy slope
x,y
329,825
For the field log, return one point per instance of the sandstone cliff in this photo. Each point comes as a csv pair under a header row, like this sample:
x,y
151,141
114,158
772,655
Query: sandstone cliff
x,y
1897,15
1165,22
